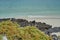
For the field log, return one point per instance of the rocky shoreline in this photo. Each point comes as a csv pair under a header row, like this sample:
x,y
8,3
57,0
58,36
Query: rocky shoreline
x,y
24,22
41,26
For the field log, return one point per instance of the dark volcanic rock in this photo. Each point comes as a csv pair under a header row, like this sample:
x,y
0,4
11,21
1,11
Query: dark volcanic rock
x,y
24,22
55,29
4,19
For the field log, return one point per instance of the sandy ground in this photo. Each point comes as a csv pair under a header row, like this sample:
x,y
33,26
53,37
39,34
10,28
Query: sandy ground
x,y
52,20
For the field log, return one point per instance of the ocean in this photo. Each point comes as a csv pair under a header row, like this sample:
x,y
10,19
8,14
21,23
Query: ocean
x,y
14,8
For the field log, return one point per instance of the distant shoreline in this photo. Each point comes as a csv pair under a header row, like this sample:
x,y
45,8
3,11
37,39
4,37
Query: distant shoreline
x,y
52,20
33,16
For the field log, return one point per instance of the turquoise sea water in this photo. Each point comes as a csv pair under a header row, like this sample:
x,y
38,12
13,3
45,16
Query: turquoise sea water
x,y
17,8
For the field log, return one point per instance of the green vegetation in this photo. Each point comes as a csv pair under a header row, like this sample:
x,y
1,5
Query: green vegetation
x,y
1,37
13,31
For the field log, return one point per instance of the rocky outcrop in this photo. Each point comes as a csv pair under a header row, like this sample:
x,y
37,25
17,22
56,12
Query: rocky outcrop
x,y
55,29
24,22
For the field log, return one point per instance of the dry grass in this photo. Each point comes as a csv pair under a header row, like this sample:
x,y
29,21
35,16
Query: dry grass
x,y
13,31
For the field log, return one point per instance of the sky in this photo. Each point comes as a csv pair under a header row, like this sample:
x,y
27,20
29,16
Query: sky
x,y
17,8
